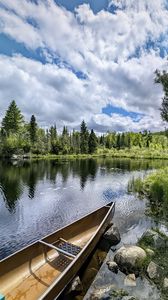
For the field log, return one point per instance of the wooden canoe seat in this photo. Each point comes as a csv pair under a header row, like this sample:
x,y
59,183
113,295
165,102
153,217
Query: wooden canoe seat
x,y
67,247
64,247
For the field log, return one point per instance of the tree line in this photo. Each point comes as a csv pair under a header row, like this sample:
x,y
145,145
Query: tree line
x,y
20,137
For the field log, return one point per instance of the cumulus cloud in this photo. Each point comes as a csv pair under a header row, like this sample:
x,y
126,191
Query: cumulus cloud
x,y
108,48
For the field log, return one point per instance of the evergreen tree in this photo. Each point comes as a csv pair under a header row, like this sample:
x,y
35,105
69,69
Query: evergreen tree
x,y
84,136
102,140
92,143
162,78
13,119
118,141
75,142
122,140
53,133
65,140
33,129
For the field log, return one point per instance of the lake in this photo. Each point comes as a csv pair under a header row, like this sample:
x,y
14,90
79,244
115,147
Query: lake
x,y
36,198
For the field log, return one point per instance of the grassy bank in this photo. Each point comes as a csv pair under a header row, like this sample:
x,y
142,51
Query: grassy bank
x,y
155,188
134,153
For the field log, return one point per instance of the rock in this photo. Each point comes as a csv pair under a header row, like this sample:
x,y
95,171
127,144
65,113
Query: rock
x,y
165,283
129,298
154,271
130,280
130,258
101,293
108,293
112,266
76,285
150,252
112,235
154,239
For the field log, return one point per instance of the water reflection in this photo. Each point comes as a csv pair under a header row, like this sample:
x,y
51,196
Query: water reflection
x,y
39,197
14,178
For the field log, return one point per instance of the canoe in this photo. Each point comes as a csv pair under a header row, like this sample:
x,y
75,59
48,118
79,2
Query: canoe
x,y
43,269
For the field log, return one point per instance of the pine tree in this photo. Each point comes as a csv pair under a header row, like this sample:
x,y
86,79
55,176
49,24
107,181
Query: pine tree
x,y
122,140
13,119
162,78
33,129
92,142
84,136
118,141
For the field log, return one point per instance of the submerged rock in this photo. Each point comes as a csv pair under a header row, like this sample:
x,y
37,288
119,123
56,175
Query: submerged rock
x,y
101,293
130,258
154,271
109,293
112,235
130,280
112,266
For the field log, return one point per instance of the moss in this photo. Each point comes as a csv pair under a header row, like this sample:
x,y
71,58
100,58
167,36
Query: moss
x,y
146,242
118,293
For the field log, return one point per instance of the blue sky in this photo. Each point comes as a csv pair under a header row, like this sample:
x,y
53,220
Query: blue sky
x,y
65,61
96,5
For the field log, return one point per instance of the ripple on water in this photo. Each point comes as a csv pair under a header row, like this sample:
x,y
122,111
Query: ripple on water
x,y
38,198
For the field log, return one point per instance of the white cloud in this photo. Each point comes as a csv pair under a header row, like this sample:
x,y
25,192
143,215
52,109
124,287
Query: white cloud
x,y
102,45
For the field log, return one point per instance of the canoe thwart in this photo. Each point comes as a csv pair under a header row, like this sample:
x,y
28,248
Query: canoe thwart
x,y
43,269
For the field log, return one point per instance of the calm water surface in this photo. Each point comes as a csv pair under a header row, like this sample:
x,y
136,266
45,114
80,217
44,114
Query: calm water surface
x,y
39,197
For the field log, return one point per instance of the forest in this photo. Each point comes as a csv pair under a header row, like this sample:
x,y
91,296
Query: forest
x,y
18,137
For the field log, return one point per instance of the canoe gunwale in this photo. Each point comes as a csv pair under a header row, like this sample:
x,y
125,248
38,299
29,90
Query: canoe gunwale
x,y
60,282
111,207
54,232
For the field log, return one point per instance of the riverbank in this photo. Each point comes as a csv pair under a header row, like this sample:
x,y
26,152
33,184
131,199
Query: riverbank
x,y
123,153
132,153
155,188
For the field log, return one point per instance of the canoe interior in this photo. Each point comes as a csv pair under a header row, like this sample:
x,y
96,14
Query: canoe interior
x,y
29,273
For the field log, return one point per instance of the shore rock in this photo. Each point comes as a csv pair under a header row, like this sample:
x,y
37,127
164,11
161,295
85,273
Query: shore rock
x,y
130,258
129,298
165,283
154,239
130,280
101,293
154,271
112,235
150,252
112,266
76,285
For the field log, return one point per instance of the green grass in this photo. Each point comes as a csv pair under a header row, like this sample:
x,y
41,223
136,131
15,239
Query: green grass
x,y
155,188
134,153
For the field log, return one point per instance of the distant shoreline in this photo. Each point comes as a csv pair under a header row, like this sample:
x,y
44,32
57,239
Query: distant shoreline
x,y
124,153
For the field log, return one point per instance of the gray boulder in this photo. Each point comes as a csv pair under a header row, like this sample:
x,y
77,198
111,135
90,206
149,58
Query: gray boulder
x,y
130,259
129,298
76,284
165,283
130,280
112,266
112,235
154,271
